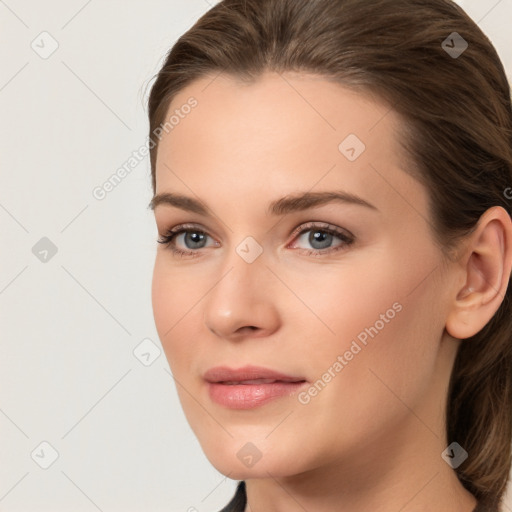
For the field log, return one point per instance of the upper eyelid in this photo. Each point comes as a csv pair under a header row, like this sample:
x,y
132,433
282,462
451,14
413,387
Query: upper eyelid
x,y
321,226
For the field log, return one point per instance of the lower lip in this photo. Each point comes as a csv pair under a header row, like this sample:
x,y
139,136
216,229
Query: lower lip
x,y
248,396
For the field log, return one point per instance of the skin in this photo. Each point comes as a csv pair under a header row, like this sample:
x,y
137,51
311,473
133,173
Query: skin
x,y
372,438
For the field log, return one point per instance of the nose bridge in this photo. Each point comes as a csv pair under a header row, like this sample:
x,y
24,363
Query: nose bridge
x,y
245,264
241,297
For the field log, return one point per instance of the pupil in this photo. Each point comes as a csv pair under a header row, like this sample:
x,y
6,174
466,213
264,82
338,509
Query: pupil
x,y
320,236
196,237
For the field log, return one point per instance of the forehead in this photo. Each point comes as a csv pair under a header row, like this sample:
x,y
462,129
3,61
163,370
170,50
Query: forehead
x,y
288,106
290,131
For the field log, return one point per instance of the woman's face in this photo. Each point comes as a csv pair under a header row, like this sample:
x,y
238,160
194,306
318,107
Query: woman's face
x,y
349,296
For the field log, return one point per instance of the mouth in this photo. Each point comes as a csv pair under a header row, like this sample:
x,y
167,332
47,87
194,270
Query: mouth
x,y
249,387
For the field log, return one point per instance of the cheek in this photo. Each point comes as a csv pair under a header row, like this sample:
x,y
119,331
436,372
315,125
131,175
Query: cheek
x,y
176,302
385,332
161,299
345,302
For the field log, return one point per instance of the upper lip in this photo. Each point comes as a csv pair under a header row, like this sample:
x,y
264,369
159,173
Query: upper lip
x,y
226,374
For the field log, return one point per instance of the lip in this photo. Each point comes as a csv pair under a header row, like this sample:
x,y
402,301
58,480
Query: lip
x,y
248,395
249,372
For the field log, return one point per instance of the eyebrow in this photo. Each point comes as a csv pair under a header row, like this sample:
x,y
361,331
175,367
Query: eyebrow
x,y
282,206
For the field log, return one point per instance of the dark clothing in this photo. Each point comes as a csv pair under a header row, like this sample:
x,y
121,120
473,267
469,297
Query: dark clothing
x,y
239,501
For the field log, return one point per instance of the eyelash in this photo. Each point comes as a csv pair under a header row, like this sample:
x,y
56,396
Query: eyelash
x,y
167,239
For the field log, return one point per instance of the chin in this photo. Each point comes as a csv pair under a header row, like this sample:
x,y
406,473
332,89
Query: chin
x,y
242,459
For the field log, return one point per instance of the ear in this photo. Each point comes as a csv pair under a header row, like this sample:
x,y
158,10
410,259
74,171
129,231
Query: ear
x,y
485,273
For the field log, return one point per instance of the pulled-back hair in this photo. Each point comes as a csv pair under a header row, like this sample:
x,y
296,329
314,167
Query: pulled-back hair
x,y
456,131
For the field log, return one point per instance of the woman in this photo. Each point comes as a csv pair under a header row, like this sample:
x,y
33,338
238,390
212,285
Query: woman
x,y
332,193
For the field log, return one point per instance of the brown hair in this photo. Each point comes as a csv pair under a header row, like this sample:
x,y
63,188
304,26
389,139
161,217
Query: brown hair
x,y
457,131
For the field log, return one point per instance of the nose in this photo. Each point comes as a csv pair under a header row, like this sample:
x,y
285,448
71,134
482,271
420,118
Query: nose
x,y
243,302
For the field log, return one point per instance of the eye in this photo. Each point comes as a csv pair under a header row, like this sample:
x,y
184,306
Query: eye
x,y
321,237
193,238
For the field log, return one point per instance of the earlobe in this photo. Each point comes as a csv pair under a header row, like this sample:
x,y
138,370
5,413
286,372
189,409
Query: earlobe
x,y
486,268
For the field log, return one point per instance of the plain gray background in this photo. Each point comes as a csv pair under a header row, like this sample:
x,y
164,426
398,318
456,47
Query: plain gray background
x,y
75,271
